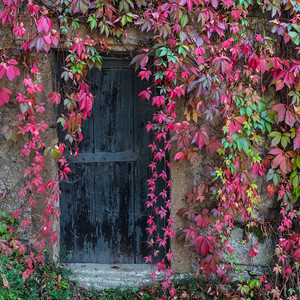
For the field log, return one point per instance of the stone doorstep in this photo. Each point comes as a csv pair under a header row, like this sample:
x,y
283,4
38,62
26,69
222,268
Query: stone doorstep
x,y
101,276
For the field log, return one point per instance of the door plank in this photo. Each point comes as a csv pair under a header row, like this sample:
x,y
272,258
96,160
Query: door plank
x,y
105,157
113,110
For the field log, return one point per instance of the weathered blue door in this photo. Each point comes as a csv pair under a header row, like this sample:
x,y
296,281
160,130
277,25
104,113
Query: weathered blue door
x,y
103,215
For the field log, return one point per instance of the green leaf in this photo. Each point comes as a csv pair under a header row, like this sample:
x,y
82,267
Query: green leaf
x,y
269,120
245,144
182,36
295,26
182,51
298,162
285,141
276,179
93,22
296,181
295,197
254,282
276,140
268,126
123,20
295,37
275,133
55,154
161,52
297,191
47,151
184,20
249,111
3,227
239,144
261,106
254,107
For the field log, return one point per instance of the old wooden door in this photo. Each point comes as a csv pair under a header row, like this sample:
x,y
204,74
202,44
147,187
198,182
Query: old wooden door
x,y
103,215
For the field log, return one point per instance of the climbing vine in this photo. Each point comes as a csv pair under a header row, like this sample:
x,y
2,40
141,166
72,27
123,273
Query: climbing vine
x,y
210,56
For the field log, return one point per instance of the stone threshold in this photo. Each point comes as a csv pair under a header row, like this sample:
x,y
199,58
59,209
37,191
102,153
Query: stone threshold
x,y
102,276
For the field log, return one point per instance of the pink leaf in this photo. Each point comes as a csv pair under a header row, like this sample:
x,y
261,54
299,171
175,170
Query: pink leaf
x,y
145,94
11,72
180,156
2,71
214,3
4,98
278,107
297,142
276,151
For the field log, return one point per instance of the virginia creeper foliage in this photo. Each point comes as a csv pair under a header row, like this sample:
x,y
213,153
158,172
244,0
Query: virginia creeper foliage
x,y
206,55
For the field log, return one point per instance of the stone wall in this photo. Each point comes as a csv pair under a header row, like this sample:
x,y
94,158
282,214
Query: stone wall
x,y
183,176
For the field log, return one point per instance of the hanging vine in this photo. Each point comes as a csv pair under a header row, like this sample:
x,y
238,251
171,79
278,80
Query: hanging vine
x,y
205,55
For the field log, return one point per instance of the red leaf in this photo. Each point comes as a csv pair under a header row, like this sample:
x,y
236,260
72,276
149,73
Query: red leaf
x,y
297,253
203,244
55,98
189,4
286,165
6,15
236,13
281,114
286,243
53,238
277,160
86,103
210,263
240,119
235,125
289,119
202,221
270,190
279,84
4,98
22,250
7,91
5,282
205,210
201,137
214,145
145,74
79,6
190,233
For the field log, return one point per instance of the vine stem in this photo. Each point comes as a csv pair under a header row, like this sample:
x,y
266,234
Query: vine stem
x,y
298,285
